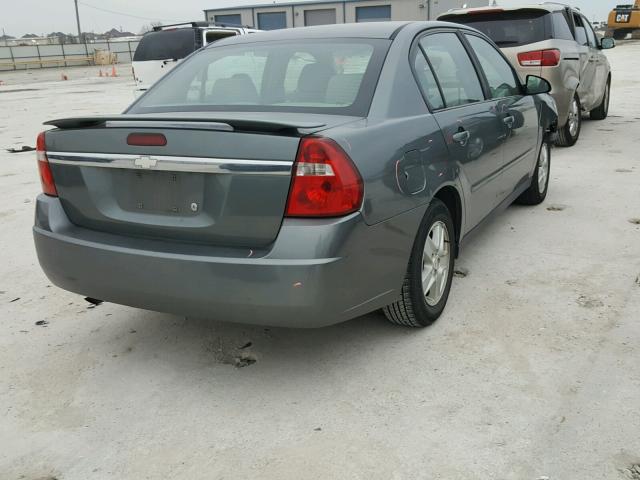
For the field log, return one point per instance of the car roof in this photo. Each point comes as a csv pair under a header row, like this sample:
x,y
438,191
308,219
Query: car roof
x,y
384,30
547,6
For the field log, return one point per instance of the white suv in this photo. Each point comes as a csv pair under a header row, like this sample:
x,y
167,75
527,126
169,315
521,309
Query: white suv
x,y
161,49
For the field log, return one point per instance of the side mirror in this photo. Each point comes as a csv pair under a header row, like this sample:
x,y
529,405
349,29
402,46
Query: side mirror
x,y
536,85
607,42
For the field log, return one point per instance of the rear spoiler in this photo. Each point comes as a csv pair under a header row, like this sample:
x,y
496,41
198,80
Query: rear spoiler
x,y
222,123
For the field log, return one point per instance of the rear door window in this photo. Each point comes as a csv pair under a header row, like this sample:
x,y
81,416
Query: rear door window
x,y
509,28
591,36
581,31
427,81
166,45
453,68
500,77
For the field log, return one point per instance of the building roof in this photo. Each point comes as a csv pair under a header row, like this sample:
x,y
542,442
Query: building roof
x,y
279,4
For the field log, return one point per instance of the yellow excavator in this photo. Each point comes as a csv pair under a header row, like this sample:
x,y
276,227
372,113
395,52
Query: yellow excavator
x,y
624,19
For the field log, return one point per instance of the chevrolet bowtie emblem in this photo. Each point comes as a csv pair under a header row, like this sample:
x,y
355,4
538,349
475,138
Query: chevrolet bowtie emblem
x,y
145,162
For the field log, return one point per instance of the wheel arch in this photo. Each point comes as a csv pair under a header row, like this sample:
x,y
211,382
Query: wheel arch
x,y
450,196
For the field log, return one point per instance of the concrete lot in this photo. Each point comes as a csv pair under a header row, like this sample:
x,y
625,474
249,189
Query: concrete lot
x,y
532,371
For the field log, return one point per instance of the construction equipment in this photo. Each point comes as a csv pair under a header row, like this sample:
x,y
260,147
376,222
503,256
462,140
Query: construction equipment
x,y
624,19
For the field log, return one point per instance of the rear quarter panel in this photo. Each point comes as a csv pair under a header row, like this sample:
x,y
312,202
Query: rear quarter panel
x,y
399,148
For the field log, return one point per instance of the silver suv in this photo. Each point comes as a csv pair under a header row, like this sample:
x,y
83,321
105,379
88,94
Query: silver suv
x,y
555,42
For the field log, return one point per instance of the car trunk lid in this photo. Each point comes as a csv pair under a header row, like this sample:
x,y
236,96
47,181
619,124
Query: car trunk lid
x,y
221,180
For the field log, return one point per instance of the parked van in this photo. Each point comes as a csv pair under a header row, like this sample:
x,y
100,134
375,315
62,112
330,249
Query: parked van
x,y
161,49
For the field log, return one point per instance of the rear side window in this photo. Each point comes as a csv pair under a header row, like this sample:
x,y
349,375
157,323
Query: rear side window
x,y
510,28
502,82
453,69
166,45
561,29
427,81
581,31
322,76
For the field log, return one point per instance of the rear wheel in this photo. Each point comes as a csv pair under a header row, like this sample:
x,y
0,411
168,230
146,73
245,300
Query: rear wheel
x,y
537,191
602,110
568,135
427,283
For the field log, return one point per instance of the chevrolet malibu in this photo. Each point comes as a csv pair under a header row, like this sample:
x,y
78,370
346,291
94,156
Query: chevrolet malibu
x,y
298,178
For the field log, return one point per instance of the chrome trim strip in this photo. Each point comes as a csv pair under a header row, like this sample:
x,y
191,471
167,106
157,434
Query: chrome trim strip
x,y
170,124
172,163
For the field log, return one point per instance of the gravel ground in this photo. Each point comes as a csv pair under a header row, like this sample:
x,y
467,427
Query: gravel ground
x,y
532,371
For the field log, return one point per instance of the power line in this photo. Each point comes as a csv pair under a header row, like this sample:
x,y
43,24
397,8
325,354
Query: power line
x,y
122,13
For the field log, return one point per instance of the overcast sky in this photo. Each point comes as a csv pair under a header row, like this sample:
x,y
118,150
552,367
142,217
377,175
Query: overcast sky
x,y
18,17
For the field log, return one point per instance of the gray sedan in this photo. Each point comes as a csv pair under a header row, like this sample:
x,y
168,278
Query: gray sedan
x,y
300,177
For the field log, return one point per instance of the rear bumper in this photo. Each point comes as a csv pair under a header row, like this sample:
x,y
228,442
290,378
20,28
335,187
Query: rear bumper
x,y
318,272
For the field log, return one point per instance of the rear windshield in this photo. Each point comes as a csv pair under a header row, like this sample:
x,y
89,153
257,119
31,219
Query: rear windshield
x,y
166,45
511,28
314,76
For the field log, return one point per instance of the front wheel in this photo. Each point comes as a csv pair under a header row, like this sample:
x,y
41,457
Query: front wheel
x,y
537,191
602,110
568,135
427,282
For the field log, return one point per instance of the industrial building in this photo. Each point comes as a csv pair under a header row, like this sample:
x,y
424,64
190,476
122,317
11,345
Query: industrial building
x,y
272,16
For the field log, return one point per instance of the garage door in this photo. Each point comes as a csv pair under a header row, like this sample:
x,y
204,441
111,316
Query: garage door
x,y
325,16
380,13
229,19
272,20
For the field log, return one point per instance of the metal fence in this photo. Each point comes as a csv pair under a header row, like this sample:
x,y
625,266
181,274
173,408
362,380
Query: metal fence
x,y
43,56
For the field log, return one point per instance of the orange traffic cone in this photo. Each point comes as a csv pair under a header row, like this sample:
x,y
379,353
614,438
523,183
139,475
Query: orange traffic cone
x,y
113,71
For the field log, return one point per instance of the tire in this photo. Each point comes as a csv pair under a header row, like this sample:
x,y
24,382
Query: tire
x,y
415,308
568,135
620,34
537,191
602,110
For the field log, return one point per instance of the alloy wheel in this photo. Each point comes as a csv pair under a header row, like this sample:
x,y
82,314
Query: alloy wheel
x,y
435,263
543,168
574,118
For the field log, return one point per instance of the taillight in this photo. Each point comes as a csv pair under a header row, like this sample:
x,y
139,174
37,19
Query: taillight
x,y
325,182
46,177
540,58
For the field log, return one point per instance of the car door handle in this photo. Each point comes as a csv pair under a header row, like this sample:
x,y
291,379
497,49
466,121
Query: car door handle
x,y
461,137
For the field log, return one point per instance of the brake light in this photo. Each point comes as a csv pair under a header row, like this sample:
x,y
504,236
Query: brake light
x,y
540,58
147,139
325,182
46,177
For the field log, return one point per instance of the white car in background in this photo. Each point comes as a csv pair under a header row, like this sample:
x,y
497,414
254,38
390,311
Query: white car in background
x,y
161,49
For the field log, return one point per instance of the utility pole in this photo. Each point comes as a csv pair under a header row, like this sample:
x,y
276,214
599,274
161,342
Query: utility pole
x,y
78,22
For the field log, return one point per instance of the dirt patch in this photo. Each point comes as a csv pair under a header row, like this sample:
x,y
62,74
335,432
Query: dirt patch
x,y
589,302
238,356
556,208
632,472
460,272
635,221
623,170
